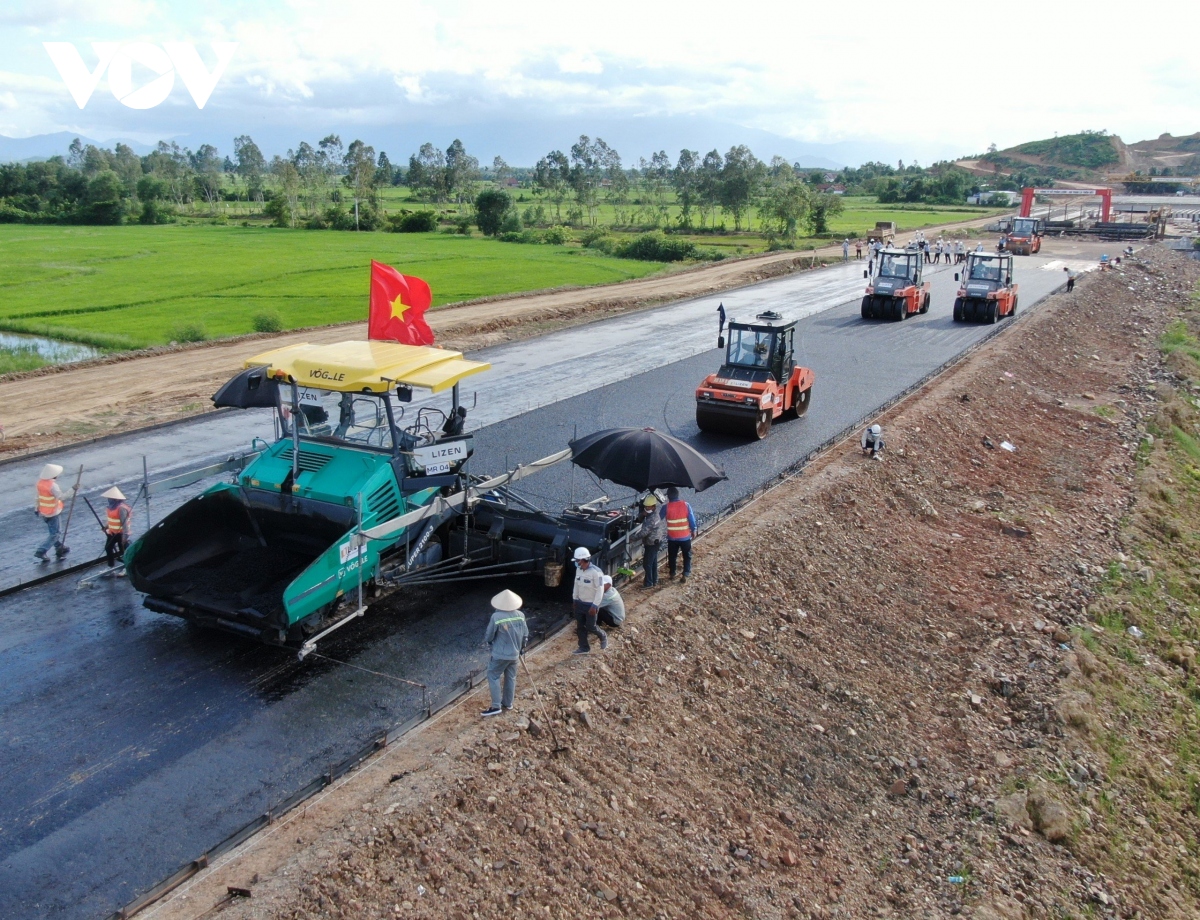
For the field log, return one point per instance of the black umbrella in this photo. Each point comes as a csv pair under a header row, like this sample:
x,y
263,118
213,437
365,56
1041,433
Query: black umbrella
x,y
644,459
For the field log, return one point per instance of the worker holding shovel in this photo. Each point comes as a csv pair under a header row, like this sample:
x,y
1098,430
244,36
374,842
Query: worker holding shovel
x,y
49,509
507,634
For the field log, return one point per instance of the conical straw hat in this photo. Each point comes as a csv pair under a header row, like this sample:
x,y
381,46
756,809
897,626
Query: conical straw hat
x,y
507,601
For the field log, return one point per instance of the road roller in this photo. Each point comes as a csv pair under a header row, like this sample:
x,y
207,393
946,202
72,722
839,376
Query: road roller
x,y
759,382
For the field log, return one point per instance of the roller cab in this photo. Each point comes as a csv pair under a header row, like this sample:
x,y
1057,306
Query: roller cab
x,y
273,553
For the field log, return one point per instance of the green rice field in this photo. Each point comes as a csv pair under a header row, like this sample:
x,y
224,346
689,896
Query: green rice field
x,y
132,287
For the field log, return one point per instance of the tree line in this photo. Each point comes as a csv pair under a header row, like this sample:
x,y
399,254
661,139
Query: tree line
x,y
332,185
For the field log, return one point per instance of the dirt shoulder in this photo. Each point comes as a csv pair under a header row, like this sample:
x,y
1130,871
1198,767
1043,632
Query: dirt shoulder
x,y
60,406
881,694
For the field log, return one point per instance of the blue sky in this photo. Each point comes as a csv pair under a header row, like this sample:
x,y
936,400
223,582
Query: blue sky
x,y
874,80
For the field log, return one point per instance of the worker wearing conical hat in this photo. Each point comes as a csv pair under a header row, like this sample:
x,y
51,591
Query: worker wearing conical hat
x,y
49,506
507,634
116,525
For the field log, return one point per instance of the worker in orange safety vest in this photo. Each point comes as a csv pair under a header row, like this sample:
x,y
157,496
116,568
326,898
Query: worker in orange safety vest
x,y
117,519
49,507
681,527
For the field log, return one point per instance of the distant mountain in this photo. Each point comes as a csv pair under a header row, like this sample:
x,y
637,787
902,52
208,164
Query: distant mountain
x,y
44,146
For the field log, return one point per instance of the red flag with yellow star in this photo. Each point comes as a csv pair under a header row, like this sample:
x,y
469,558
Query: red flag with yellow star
x,y
398,305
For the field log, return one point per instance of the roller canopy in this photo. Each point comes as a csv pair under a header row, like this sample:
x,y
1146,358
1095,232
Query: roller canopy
x,y
376,367
250,389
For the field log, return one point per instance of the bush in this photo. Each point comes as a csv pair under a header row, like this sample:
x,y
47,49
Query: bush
x,y
156,212
491,207
268,321
189,332
555,236
278,210
511,222
417,222
654,247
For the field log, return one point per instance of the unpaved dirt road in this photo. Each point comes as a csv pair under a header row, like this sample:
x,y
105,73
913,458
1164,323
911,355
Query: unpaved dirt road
x,y
59,406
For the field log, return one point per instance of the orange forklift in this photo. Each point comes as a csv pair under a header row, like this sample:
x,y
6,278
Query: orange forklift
x,y
896,290
986,292
759,381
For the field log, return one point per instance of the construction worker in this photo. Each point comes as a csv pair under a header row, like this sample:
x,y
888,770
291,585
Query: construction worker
x,y
586,598
49,507
654,534
1070,278
508,634
681,527
845,250
872,441
720,319
612,607
116,525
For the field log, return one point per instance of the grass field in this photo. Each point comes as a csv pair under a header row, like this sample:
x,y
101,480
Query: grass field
x,y
130,287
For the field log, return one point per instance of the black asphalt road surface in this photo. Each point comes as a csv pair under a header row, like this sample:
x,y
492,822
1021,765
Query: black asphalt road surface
x,y
130,743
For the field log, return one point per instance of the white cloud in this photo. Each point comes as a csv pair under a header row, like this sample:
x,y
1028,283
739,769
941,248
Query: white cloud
x,y
577,62
952,83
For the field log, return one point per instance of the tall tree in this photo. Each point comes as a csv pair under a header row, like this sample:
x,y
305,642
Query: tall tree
x,y
708,186
427,172
250,164
741,174
287,203
786,201
462,172
359,163
685,179
552,175
385,174
501,171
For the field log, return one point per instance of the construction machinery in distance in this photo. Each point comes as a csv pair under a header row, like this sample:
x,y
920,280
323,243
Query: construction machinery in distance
x,y
363,492
759,381
986,291
896,291
884,232
1025,236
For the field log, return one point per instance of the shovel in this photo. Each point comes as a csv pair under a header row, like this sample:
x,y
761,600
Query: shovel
x,y
63,549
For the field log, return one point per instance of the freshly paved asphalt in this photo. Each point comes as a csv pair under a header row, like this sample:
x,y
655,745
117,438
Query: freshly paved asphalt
x,y
131,743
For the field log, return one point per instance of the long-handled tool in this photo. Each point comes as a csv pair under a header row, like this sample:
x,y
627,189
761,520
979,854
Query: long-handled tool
x,y
62,549
558,746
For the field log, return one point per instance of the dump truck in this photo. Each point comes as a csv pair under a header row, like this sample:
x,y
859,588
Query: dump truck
x,y
363,492
1025,236
884,232
758,382
986,291
896,291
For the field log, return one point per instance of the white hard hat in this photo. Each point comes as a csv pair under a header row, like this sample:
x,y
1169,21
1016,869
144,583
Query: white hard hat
x,y
582,553
507,601
114,492
607,580
875,429
50,471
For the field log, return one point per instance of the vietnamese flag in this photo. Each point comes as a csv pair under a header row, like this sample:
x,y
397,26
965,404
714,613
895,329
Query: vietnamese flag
x,y
398,305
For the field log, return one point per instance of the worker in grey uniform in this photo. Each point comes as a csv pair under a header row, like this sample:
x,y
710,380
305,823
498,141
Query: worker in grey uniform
x,y
872,441
612,607
586,596
507,634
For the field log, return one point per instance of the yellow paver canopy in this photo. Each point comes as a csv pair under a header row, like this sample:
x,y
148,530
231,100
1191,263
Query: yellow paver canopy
x,y
356,367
